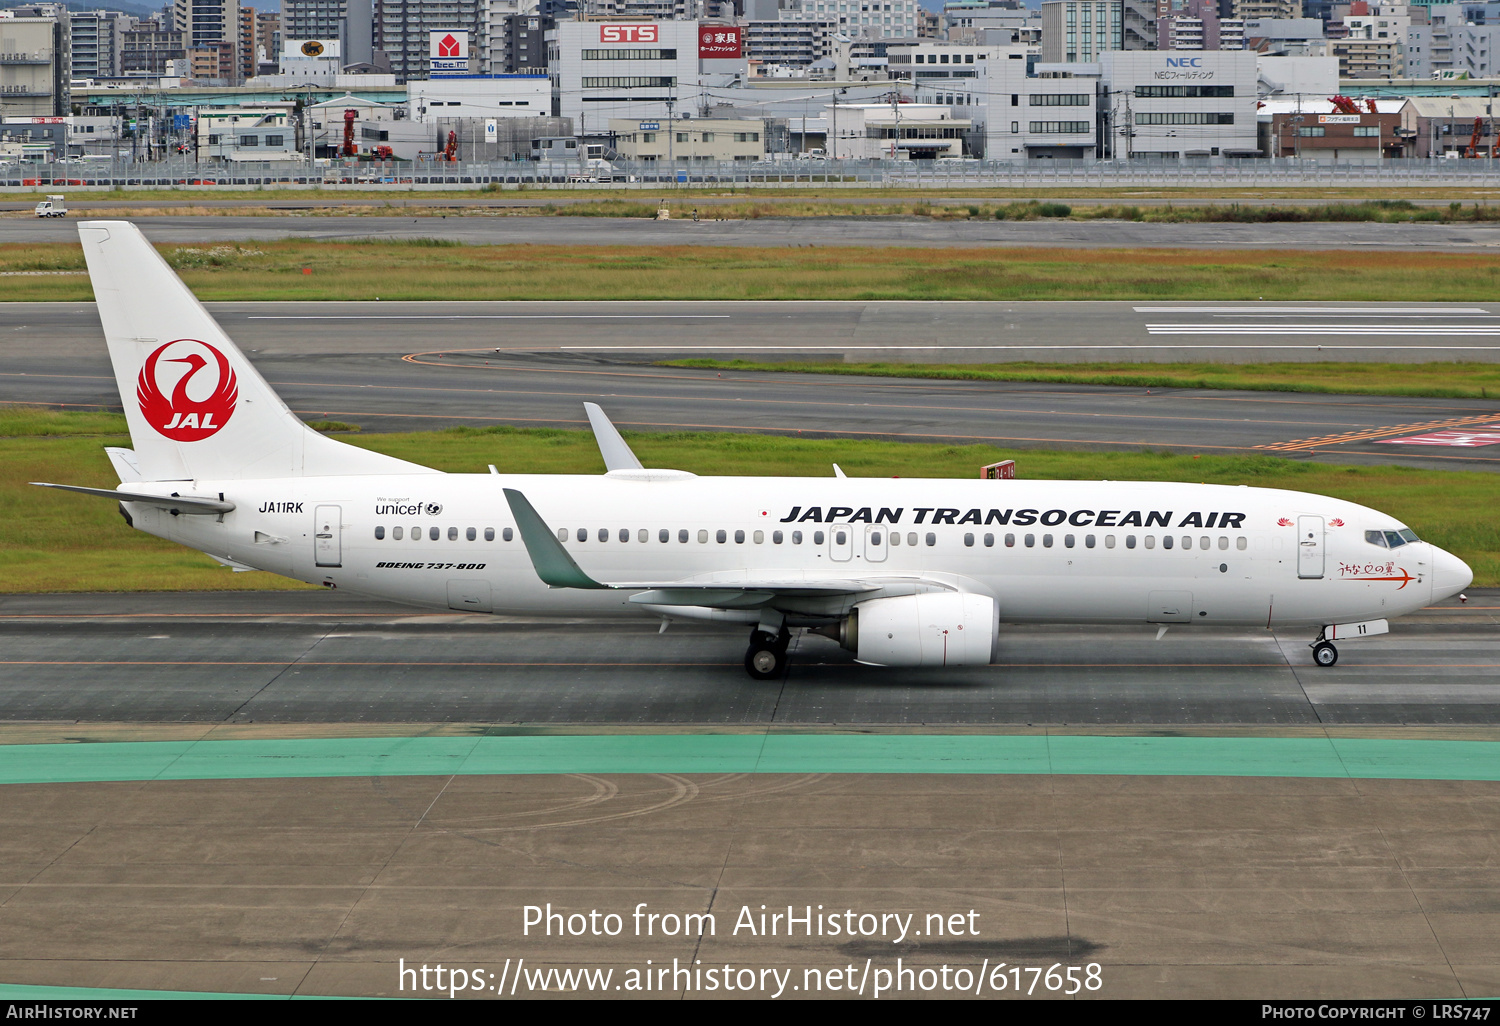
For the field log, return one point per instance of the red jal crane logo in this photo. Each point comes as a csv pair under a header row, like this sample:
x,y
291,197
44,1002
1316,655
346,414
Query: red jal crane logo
x,y
199,404
448,46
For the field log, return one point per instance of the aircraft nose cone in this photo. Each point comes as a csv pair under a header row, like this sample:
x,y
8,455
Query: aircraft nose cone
x,y
1450,575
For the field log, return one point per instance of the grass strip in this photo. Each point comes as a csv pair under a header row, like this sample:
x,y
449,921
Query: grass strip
x,y
1440,380
434,269
940,209
58,541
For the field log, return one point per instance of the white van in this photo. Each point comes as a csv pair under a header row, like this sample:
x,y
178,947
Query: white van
x,y
52,206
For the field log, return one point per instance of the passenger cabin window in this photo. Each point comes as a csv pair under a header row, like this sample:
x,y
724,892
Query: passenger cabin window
x,y
796,537
931,539
969,539
896,538
720,537
379,533
453,533
1010,541
739,537
489,534
1240,543
396,534
817,537
911,537
1130,541
416,533
1109,541
989,541
682,537
1166,541
760,537
1046,541
562,534
776,537
433,532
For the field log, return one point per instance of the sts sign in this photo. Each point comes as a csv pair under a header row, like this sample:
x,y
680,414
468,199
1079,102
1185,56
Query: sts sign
x,y
627,33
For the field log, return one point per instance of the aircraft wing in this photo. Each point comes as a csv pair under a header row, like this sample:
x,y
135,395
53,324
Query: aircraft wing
x,y
731,590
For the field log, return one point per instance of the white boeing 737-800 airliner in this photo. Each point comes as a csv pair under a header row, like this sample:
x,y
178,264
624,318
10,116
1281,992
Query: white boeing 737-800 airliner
x,y
902,572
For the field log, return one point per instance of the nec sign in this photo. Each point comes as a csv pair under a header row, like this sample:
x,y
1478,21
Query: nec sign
x,y
1184,62
627,33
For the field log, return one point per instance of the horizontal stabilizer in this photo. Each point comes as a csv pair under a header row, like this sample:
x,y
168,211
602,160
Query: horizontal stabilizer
x,y
196,505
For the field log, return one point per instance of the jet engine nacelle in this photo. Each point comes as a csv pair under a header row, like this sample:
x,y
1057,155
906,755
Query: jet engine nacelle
x,y
931,629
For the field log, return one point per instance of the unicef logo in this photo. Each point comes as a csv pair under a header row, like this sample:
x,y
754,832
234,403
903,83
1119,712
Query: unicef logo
x,y
432,509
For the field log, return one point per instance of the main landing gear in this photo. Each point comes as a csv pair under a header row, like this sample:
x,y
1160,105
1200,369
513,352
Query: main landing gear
x,y
1324,654
765,659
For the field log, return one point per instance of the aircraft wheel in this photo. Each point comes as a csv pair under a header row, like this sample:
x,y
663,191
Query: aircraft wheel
x,y
1324,654
765,659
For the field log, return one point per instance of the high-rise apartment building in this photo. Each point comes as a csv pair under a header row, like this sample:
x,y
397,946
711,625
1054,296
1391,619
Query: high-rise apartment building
x,y
1081,30
401,30
858,19
267,41
349,21
96,39
209,27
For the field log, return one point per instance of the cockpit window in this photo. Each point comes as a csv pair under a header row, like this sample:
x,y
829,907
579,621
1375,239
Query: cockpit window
x,y
1409,534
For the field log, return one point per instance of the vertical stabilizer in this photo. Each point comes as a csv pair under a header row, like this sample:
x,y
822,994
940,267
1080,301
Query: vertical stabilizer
x,y
196,407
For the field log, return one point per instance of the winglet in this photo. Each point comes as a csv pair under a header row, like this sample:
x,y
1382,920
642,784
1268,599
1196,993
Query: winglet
x,y
617,455
552,562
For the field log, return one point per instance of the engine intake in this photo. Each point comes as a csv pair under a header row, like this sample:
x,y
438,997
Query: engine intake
x,y
932,629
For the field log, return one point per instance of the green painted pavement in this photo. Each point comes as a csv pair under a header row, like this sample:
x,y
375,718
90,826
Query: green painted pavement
x,y
752,753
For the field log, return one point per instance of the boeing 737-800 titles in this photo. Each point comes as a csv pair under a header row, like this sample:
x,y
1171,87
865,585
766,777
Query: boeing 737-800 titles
x,y
902,572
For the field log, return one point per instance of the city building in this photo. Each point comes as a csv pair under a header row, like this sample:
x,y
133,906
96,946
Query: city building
x,y
403,30
640,70
96,38
267,42
36,61
1078,31
789,43
1374,45
480,96
210,33
694,141
151,49
1286,37
1312,128
1178,104
895,131
858,19
517,42
662,10
1245,10
1443,126
1196,25
1030,110
351,22
238,134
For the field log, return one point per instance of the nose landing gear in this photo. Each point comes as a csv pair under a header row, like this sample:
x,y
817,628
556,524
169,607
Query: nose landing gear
x,y
1324,654
765,659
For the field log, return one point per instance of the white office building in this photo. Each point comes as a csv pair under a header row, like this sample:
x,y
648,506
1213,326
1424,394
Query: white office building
x,y
1174,104
480,96
639,70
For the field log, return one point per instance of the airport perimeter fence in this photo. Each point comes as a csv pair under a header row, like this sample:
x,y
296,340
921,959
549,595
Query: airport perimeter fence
x,y
1201,173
